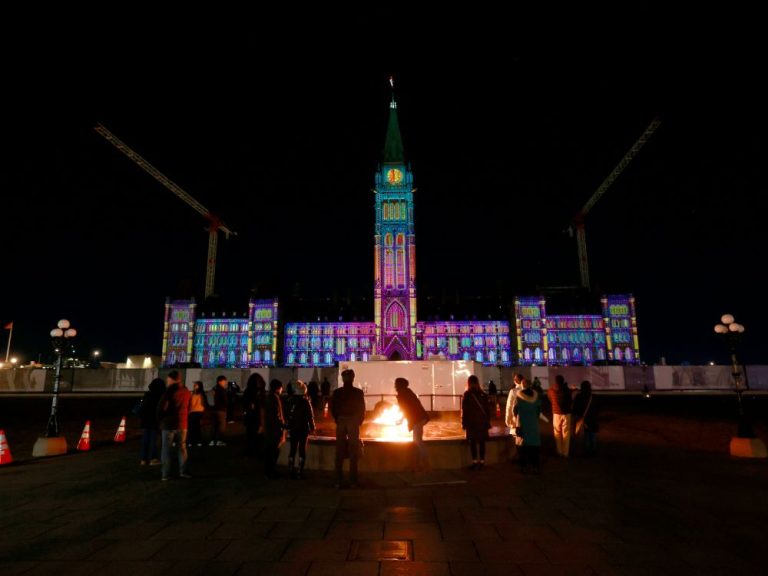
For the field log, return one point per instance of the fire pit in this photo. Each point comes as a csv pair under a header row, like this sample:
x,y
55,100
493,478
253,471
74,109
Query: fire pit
x,y
389,444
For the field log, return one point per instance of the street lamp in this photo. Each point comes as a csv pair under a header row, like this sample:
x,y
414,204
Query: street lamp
x,y
732,331
61,337
52,444
746,442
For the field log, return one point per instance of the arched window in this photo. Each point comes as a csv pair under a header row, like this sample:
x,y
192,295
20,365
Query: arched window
x,y
537,354
388,239
303,358
244,357
291,358
352,357
527,354
388,267
231,359
267,356
565,355
385,210
617,354
466,356
629,355
400,266
400,239
172,358
315,358
479,356
328,358
396,317
257,357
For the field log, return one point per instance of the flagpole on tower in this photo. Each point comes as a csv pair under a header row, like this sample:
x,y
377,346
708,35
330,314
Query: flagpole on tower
x,y
9,326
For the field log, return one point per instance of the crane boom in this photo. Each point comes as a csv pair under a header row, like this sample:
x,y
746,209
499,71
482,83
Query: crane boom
x,y
160,177
215,224
631,153
581,235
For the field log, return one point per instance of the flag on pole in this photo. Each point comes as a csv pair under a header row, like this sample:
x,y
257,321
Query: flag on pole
x,y
9,326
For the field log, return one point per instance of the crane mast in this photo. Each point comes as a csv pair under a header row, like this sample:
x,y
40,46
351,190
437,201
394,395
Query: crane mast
x,y
214,223
578,221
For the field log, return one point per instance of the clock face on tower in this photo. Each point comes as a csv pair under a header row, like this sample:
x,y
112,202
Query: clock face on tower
x,y
394,176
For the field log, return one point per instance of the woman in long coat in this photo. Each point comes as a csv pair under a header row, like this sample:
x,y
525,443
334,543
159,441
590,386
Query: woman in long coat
x,y
476,420
274,428
526,419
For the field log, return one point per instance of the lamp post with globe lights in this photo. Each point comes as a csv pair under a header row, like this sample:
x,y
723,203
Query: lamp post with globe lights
x,y
746,443
62,337
52,444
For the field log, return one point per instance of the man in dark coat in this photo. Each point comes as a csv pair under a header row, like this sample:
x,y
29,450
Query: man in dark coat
x,y
173,412
476,420
348,410
219,414
417,417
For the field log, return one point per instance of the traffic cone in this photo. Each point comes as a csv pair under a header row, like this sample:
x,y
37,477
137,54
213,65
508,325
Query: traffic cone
x,y
498,410
120,434
5,451
85,439
325,411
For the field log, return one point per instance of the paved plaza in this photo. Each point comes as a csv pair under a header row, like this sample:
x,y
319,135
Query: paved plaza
x,y
663,497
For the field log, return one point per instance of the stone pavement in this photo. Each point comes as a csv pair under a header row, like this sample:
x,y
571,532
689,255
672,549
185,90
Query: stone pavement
x,y
645,505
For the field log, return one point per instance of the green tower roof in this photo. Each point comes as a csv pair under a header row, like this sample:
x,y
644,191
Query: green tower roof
x,y
393,146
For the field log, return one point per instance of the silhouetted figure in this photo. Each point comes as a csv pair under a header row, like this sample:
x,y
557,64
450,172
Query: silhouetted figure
x,y
313,390
476,420
526,420
219,414
300,421
253,406
198,403
233,389
417,417
274,428
149,422
585,408
348,410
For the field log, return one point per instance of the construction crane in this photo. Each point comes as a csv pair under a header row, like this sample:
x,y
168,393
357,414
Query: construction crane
x,y
578,220
214,222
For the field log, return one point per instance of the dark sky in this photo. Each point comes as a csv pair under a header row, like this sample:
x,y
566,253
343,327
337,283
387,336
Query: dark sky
x,y
508,133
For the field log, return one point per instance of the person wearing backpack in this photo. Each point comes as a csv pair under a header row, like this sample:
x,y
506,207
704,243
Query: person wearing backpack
x,y
300,422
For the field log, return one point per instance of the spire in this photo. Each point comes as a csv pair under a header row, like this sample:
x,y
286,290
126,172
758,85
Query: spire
x,y
393,146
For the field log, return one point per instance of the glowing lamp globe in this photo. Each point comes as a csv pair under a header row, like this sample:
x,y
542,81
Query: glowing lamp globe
x,y
57,333
727,319
736,327
721,329
70,333
64,324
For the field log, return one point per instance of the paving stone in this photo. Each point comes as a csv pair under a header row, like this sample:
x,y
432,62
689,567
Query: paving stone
x,y
415,569
289,514
242,530
525,552
186,530
57,568
460,530
331,568
438,551
412,531
273,569
128,550
173,550
485,569
309,530
356,530
302,550
253,551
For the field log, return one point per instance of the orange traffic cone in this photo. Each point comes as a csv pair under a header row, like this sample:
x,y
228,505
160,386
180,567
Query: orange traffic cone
x,y
5,451
120,434
498,410
325,411
85,439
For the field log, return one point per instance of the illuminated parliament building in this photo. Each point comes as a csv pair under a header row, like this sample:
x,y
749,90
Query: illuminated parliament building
x,y
251,340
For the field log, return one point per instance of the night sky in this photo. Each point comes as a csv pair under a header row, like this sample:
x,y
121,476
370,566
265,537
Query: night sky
x,y
508,133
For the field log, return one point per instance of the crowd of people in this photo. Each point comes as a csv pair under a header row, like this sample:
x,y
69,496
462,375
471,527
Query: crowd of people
x,y
273,418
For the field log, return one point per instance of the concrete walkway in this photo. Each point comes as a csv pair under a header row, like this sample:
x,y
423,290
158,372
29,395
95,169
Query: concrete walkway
x,y
645,505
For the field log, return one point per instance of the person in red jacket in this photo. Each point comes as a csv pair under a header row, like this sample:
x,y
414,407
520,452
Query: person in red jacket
x,y
173,413
417,417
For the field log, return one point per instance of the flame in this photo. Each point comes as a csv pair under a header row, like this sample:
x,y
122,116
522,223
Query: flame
x,y
392,425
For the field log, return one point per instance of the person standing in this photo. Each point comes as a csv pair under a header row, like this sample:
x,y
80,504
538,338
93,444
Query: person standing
x,y
253,406
274,428
149,422
219,415
509,412
197,405
173,411
232,391
526,419
417,417
560,397
325,392
348,411
476,420
313,390
585,409
300,422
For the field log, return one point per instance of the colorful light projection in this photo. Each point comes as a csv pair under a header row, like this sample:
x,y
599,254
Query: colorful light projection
x,y
575,340
621,328
326,343
234,342
531,329
394,250
585,339
485,342
178,329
